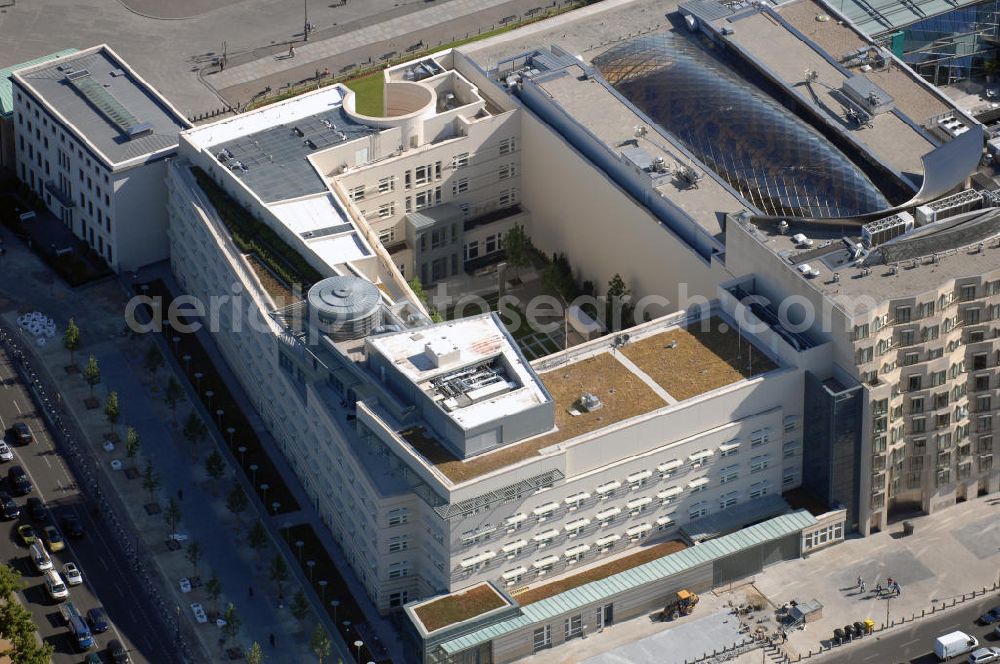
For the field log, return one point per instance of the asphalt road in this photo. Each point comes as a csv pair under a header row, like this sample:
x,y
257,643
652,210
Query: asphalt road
x,y
108,581
914,643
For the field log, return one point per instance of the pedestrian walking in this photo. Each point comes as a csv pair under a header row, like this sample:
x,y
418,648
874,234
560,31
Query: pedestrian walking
x,y
271,638
878,590
861,584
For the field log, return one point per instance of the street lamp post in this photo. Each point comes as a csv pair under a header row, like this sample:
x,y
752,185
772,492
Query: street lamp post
x,y
264,487
305,20
176,341
187,364
230,431
298,545
253,473
197,379
311,564
322,588
275,506
208,395
335,603
242,450
358,644
218,416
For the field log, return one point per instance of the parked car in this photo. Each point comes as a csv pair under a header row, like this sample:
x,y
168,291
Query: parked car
x,y
984,655
118,653
73,526
40,557
27,534
98,620
20,483
55,585
53,538
990,617
93,658
8,508
36,509
22,434
72,574
6,454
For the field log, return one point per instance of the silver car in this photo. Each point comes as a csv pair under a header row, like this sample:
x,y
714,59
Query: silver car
x,y
984,655
5,452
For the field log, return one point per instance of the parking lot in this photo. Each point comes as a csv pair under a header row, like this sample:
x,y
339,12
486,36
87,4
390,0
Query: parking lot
x,y
106,581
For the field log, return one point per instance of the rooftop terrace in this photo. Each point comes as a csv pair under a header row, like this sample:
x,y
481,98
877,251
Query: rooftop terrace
x,y
701,361
459,607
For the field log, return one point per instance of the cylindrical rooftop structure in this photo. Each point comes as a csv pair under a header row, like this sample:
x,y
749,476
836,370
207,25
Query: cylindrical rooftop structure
x,y
346,307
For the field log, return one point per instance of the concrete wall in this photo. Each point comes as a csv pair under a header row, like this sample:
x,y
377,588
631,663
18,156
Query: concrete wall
x,y
577,210
140,216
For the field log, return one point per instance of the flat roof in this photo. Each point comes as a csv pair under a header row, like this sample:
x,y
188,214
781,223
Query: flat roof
x,y
912,95
459,606
273,161
105,101
912,277
710,358
459,345
7,89
784,55
613,122
661,568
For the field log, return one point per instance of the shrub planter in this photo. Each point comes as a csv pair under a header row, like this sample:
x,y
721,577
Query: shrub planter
x,y
152,508
72,369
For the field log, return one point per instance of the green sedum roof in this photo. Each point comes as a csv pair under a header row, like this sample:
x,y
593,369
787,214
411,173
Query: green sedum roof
x,y
7,88
664,567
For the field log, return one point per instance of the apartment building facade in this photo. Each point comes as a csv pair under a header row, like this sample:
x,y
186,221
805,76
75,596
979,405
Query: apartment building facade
x,y
91,140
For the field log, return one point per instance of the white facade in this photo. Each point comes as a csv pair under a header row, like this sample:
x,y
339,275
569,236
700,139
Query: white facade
x,y
107,189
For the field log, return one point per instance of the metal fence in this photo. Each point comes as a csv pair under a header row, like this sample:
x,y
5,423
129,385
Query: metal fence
x,y
70,440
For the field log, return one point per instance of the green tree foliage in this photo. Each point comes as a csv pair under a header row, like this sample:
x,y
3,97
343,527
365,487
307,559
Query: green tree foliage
x,y
150,481
320,643
173,515
172,394
92,374
194,431
215,465
518,248
257,538
255,654
71,339
153,360
213,589
300,606
279,572
193,555
132,443
236,501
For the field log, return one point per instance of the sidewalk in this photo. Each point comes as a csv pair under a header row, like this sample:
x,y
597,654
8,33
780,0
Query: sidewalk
x,y
98,310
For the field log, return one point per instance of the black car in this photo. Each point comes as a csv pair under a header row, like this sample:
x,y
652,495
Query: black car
x,y
20,484
36,509
8,508
118,653
990,617
98,620
73,526
22,434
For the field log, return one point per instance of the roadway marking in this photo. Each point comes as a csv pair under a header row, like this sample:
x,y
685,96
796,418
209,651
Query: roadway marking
x,y
14,401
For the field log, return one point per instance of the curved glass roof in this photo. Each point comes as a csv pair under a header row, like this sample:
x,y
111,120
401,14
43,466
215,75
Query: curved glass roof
x,y
775,160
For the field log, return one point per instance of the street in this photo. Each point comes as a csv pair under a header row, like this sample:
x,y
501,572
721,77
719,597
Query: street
x,y
914,643
107,581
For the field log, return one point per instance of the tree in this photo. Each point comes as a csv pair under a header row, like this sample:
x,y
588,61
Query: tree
x,y
215,465
279,572
153,360
150,481
71,339
10,582
112,410
213,588
418,290
518,248
557,279
257,538
193,555
173,515
233,622
237,501
132,443
194,430
300,606
320,643
92,374
618,299
255,654
173,394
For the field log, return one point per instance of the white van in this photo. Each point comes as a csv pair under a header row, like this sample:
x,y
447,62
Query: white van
x,y
54,584
954,644
40,557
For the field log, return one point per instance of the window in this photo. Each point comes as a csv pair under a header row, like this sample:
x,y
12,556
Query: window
x,y
507,145
698,510
421,175
356,193
542,638
759,489
788,477
790,448
758,463
460,186
398,543
386,210
494,243
983,403
902,314
472,250
906,337
914,382
865,355
460,160
860,332
760,437
399,570
507,197
967,293
398,599
423,199
910,359
387,184
507,171
729,449
925,309
397,517
729,473
972,316
574,626
728,500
